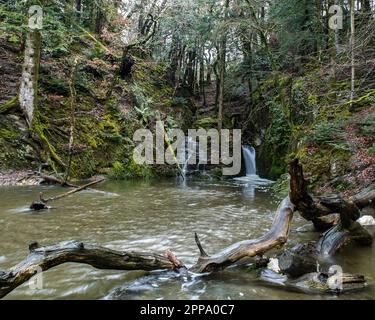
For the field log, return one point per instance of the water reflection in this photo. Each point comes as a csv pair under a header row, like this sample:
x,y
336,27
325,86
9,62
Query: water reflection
x,y
249,191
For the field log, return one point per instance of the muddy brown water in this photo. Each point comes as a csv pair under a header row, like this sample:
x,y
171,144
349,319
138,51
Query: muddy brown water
x,y
156,215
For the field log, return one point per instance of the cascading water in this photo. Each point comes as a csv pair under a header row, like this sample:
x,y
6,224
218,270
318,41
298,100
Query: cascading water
x,y
250,163
190,150
251,179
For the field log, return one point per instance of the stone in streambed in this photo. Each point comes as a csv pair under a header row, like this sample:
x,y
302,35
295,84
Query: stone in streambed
x,y
366,221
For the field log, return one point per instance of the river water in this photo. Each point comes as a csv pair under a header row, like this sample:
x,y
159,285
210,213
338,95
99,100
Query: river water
x,y
155,215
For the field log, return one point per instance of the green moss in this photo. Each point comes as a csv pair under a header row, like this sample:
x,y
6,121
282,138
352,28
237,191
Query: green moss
x,y
217,173
131,170
39,129
318,285
55,85
8,132
14,153
371,150
281,186
205,123
7,106
312,99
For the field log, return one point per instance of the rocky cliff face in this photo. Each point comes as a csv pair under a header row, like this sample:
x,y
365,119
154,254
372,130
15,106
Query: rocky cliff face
x,y
295,117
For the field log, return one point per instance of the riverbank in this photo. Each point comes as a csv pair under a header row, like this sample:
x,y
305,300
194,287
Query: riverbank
x,y
19,178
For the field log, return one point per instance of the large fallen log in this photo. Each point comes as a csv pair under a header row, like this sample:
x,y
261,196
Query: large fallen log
x,y
103,258
324,212
365,198
42,259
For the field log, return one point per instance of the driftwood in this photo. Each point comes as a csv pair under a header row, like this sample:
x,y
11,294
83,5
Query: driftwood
x,y
339,236
42,259
345,229
42,203
315,282
316,209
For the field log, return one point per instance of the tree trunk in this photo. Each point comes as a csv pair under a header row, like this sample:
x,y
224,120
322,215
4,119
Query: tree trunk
x,y
344,230
352,49
222,66
316,209
29,81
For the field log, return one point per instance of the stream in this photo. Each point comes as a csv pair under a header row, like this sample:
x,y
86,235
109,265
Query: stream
x,y
156,215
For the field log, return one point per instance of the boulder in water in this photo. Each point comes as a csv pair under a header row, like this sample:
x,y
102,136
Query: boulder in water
x,y
366,221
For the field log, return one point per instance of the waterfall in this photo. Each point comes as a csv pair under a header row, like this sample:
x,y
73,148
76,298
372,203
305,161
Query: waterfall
x,y
190,150
251,181
249,156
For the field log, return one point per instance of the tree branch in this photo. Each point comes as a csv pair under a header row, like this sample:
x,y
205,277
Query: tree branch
x,y
42,259
276,236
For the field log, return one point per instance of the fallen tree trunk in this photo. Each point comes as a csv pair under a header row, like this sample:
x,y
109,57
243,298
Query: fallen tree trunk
x,y
365,198
42,259
42,203
342,229
103,258
324,212
276,236
73,191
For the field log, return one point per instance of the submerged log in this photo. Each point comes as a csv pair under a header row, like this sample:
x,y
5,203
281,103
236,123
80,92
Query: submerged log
x,y
42,259
73,191
316,282
338,236
276,236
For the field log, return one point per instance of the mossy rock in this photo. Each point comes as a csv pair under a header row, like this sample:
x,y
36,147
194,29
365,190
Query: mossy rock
x,y
131,170
205,123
